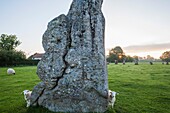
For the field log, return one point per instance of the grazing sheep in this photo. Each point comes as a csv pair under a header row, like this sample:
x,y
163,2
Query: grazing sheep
x,y
112,97
10,71
27,95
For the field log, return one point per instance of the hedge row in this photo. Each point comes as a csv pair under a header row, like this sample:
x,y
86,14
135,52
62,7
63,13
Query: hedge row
x,y
19,63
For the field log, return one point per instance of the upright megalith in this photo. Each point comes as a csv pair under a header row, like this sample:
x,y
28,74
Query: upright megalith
x,y
73,68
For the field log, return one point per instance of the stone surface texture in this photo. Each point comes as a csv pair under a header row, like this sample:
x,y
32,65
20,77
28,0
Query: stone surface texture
x,y
73,68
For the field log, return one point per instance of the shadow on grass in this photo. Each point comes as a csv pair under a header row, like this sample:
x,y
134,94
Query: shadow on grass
x,y
38,109
44,110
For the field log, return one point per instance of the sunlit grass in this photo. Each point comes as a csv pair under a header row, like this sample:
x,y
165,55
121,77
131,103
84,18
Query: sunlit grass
x,y
142,88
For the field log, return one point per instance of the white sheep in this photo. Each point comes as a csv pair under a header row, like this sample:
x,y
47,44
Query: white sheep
x,y
10,71
112,97
27,95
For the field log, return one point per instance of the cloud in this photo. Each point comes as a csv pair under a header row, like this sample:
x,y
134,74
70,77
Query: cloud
x,y
147,48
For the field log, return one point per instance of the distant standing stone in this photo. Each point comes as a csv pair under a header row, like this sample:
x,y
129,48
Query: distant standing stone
x,y
116,62
124,62
136,62
151,63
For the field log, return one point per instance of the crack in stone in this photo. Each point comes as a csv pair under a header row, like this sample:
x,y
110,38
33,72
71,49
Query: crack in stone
x,y
39,96
64,56
91,26
37,93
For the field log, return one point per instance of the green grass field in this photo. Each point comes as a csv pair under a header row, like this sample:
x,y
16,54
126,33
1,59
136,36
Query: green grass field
x,y
142,88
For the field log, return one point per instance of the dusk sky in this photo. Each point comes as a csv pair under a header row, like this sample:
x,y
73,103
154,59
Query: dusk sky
x,y
140,27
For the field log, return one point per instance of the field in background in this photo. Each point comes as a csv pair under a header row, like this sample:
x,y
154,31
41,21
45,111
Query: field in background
x,y
142,88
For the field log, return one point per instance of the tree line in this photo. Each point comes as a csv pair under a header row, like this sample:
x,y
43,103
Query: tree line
x,y
117,55
9,56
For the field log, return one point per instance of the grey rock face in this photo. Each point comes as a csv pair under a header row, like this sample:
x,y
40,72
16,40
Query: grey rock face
x,y
73,68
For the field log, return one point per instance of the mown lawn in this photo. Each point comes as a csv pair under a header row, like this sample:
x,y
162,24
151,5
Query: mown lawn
x,y
142,88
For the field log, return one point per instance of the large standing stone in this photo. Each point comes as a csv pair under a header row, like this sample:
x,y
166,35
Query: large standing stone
x,y
73,68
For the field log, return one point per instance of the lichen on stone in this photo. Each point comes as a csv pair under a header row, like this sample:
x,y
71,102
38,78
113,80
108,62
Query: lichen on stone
x,y
73,68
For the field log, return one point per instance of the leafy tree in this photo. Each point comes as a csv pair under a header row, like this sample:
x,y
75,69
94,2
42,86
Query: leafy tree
x,y
117,50
8,42
129,59
165,57
116,54
8,54
112,57
136,59
148,57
